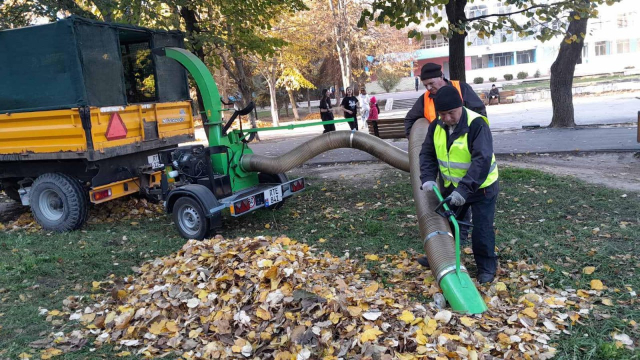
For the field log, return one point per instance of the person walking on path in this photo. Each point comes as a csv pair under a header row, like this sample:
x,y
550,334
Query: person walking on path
x,y
326,113
417,83
375,110
459,146
350,107
433,80
363,101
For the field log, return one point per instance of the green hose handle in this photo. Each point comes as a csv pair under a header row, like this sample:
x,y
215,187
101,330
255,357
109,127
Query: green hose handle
x,y
456,227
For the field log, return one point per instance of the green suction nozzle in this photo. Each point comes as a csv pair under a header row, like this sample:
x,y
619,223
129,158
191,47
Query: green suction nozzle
x,y
461,293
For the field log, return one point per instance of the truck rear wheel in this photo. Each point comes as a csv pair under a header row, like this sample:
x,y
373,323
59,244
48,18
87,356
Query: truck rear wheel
x,y
190,219
58,202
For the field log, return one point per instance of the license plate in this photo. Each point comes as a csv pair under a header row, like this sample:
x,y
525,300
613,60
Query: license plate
x,y
272,196
154,161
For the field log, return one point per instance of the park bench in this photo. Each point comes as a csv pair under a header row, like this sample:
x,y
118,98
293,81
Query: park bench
x,y
507,96
387,128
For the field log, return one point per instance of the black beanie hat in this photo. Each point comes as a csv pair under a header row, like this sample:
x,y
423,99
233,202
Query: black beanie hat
x,y
447,98
430,71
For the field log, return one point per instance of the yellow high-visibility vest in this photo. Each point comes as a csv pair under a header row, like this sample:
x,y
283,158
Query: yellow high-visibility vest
x,y
455,162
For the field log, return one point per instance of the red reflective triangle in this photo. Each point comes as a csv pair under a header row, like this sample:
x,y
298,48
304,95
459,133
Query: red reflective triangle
x,y
116,128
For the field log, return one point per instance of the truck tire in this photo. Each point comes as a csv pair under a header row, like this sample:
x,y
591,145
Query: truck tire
x,y
264,178
11,190
190,218
58,202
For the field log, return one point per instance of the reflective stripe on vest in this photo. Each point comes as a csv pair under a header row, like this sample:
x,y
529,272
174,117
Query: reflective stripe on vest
x,y
430,108
455,162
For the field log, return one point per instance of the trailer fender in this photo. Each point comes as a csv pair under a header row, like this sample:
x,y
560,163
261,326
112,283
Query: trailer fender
x,y
200,193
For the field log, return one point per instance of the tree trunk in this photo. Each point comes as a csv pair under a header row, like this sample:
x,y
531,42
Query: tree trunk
x,y
274,102
294,105
456,14
562,72
242,81
342,44
286,107
308,101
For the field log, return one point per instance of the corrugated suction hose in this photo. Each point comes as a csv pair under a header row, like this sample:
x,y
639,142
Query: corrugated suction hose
x,y
434,230
332,140
437,239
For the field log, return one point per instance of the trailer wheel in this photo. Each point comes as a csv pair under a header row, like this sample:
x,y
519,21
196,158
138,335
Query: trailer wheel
x,y
264,178
190,219
58,202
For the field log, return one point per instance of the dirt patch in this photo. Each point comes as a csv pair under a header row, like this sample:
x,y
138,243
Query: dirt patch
x,y
614,170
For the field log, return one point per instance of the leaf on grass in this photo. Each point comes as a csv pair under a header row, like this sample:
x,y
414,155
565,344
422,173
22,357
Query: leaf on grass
x,y
596,285
370,335
589,270
407,317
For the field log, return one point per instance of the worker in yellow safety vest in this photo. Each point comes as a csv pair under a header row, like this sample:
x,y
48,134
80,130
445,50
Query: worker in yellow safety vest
x,y
433,79
459,146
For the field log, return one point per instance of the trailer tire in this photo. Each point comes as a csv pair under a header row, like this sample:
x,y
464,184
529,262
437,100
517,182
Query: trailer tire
x,y
58,202
264,178
190,218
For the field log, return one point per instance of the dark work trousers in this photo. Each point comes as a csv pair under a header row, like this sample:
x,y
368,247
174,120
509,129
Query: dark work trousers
x,y
353,124
483,237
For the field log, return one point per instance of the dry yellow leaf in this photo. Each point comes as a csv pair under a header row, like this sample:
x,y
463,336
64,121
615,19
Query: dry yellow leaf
x,y
407,317
467,321
530,313
574,317
371,289
360,204
589,270
607,302
370,335
334,317
322,240
597,285
372,257
354,310
430,327
110,317
123,354
420,338
263,314
267,226
157,327
49,353
172,326
500,286
24,356
240,272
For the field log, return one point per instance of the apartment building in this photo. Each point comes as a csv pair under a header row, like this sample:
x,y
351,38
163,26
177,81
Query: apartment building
x,y
612,45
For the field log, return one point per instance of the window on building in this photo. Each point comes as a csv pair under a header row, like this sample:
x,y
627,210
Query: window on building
x,y
502,59
430,43
477,62
626,19
525,57
601,48
477,10
623,46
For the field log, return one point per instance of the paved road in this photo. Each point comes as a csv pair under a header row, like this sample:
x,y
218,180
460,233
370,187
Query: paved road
x,y
506,142
589,110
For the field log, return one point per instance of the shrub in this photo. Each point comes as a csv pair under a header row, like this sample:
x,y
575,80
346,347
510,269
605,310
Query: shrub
x,y
523,75
478,80
388,79
493,79
508,77
537,74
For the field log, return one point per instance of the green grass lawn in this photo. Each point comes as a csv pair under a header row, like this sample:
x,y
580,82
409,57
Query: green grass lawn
x,y
560,222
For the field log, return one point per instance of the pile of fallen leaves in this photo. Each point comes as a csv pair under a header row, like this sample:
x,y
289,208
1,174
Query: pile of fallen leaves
x,y
125,209
263,298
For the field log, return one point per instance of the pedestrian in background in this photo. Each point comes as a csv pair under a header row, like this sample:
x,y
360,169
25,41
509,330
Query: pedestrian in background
x,y
417,82
363,101
326,113
350,107
374,109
